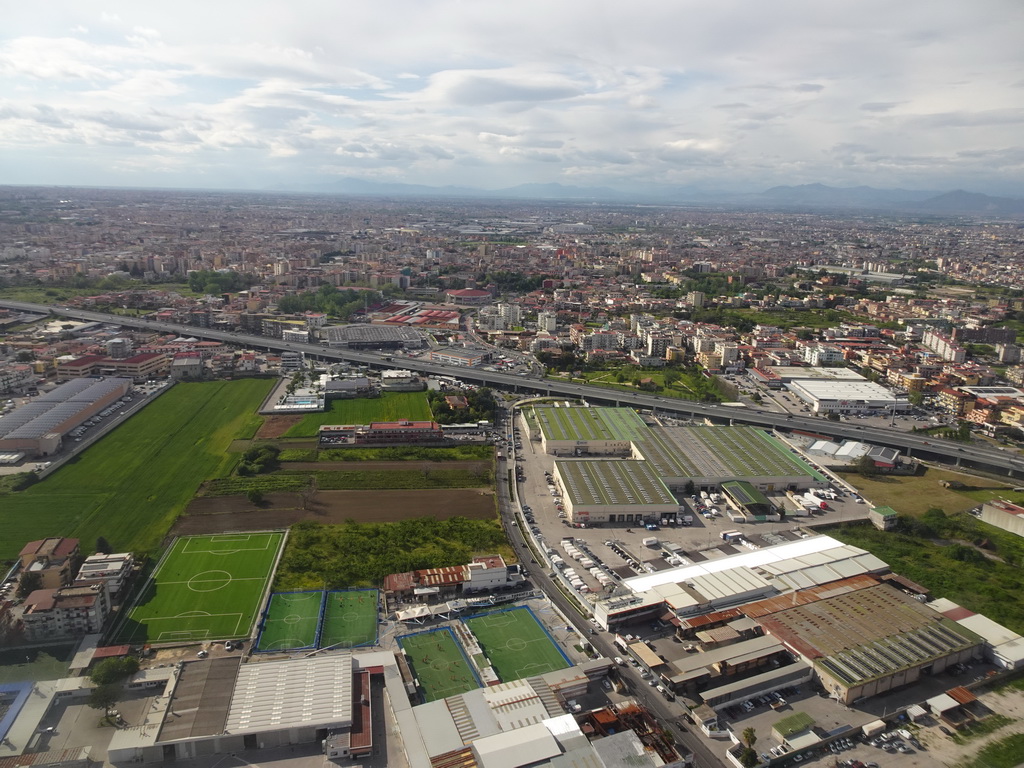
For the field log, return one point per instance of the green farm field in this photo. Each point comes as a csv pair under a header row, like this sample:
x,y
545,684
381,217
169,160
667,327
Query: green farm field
x,y
131,485
391,406
206,588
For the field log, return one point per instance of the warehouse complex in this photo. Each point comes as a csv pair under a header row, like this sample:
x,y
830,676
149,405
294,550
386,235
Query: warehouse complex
x,y
778,616
37,428
659,461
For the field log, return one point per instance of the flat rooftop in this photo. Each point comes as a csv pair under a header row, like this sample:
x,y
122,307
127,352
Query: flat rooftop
x,y
722,452
612,483
868,633
589,423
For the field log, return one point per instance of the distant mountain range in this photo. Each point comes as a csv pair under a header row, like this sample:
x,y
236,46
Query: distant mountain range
x,y
801,197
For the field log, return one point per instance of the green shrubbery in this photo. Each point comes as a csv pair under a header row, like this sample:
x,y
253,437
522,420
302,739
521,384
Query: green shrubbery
x,y
362,554
259,459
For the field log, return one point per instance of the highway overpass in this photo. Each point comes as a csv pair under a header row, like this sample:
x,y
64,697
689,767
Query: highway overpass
x,y
981,458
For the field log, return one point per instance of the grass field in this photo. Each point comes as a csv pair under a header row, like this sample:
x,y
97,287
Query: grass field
x,y
131,485
350,619
516,644
291,621
206,588
439,664
391,406
917,494
43,663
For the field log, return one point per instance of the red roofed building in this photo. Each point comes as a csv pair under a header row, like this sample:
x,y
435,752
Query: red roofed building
x,y
468,297
53,559
65,612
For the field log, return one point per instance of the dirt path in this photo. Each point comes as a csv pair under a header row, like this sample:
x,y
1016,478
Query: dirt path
x,y
383,466
275,426
279,510
944,750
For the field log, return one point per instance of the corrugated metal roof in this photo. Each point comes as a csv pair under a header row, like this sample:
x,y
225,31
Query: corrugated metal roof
x,y
310,692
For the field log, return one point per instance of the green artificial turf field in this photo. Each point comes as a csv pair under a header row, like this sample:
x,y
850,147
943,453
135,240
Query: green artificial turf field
x,y
516,644
131,485
391,406
438,663
350,619
291,621
206,588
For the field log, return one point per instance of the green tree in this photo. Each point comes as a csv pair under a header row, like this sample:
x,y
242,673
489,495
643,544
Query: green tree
x,y
689,488
103,546
30,582
916,398
110,671
748,758
866,466
749,737
255,496
104,697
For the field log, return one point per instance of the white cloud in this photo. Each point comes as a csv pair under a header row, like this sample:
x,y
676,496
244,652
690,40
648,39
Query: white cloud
x,y
491,94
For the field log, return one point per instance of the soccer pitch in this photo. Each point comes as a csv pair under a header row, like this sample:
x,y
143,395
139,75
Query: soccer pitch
x,y
291,621
206,588
350,619
439,664
516,644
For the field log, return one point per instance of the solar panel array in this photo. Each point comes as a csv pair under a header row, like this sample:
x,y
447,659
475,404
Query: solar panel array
x,y
48,412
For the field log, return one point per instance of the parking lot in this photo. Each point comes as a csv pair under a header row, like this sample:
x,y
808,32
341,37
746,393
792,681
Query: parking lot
x,y
608,542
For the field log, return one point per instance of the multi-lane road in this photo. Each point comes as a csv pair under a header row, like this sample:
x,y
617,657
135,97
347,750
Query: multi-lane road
x,y
987,459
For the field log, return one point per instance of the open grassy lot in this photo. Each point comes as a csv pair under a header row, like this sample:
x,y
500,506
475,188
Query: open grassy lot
x,y
206,588
1005,753
516,644
291,621
350,618
439,664
41,663
131,485
917,494
391,406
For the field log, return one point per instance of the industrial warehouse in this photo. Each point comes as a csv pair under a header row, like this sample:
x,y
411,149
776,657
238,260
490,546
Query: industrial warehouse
x,y
37,428
778,616
744,462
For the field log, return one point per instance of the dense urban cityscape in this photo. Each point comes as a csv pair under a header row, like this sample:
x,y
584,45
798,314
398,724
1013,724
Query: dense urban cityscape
x,y
462,482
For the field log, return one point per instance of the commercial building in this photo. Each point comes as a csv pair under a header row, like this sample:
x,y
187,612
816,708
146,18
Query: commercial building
x,y
38,427
486,572
467,357
613,492
216,706
381,433
401,381
727,582
363,336
869,641
678,456
140,367
1004,514
842,397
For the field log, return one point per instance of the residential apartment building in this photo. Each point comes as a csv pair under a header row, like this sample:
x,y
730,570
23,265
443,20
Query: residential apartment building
x,y
65,612
53,559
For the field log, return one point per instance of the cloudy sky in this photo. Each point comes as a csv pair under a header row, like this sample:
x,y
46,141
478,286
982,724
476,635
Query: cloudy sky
x,y
723,94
